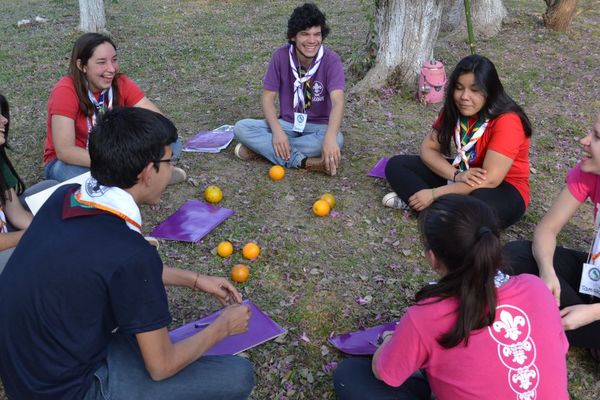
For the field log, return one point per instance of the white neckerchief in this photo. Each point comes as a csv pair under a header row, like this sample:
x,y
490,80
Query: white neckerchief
x,y
462,150
98,105
111,199
3,224
594,254
299,82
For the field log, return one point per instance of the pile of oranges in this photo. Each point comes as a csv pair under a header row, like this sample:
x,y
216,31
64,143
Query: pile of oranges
x,y
250,251
323,206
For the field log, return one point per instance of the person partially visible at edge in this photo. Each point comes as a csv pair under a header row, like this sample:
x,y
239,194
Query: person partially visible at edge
x,y
563,269
309,80
479,146
83,307
14,218
477,333
94,84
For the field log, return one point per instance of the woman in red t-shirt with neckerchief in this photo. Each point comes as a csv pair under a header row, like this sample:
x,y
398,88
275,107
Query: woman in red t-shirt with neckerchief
x,y
479,146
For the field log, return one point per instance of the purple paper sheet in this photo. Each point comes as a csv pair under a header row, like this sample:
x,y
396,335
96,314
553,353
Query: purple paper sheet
x,y
191,222
261,328
209,140
378,170
361,343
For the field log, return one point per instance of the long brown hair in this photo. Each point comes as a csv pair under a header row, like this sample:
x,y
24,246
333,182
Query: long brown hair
x,y
4,110
463,234
83,49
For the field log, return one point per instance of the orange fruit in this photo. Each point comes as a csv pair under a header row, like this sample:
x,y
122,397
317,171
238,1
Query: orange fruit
x,y
240,273
225,249
328,197
277,172
251,251
213,194
321,208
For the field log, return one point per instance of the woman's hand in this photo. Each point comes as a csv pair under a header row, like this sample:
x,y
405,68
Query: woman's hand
x,y
551,280
576,316
421,200
472,176
221,288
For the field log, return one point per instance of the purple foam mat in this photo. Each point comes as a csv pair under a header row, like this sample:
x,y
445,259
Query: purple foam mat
x,y
378,170
261,329
191,222
209,140
363,342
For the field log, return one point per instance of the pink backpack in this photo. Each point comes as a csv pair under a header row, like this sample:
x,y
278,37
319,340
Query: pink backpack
x,y
432,82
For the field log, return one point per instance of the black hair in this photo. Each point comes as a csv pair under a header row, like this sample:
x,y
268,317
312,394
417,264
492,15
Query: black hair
x,y
305,17
497,101
83,50
124,141
4,188
462,232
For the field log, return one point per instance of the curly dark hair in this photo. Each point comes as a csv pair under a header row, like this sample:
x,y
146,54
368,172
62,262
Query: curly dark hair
x,y
304,17
4,188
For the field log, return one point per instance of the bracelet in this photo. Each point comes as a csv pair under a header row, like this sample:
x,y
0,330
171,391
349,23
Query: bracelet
x,y
195,288
458,171
433,193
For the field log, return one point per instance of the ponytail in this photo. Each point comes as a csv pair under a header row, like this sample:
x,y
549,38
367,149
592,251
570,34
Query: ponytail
x,y
462,233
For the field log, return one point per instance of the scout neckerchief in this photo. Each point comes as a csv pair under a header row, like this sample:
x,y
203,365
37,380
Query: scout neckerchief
x,y
111,199
100,107
3,225
590,275
465,138
299,102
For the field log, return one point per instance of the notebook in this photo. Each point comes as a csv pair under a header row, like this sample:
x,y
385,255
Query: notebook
x,y
261,328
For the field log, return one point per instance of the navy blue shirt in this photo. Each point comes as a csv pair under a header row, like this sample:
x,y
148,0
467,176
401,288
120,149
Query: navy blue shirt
x,y
69,284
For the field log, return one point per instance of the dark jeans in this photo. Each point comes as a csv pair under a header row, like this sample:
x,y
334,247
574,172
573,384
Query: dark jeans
x,y
124,376
354,380
408,174
568,265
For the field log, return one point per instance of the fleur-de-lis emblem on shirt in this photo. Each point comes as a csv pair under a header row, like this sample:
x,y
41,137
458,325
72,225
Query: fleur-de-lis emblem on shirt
x,y
509,324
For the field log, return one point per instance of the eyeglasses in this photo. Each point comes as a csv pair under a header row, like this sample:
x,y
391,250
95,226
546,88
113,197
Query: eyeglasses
x,y
172,161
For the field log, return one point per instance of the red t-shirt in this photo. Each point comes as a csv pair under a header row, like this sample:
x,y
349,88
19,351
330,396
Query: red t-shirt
x,y
64,101
505,135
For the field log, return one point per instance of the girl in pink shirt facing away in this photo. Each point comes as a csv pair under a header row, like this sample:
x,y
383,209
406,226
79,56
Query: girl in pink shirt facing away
x,y
476,333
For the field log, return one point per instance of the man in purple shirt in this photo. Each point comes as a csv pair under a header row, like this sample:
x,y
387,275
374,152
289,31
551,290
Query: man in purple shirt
x,y
309,80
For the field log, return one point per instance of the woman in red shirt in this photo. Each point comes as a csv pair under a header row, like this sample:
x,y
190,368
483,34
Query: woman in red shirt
x,y
93,85
479,146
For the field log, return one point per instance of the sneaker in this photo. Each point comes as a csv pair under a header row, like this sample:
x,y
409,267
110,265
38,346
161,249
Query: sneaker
x,y
177,176
392,200
316,164
244,153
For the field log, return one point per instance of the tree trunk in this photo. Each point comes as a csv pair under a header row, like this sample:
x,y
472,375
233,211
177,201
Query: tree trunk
x,y
91,15
487,17
406,33
559,14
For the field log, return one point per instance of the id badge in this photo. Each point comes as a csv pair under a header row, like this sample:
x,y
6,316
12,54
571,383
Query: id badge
x,y
299,122
590,280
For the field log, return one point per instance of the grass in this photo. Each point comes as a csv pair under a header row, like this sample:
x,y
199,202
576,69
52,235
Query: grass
x,y
202,63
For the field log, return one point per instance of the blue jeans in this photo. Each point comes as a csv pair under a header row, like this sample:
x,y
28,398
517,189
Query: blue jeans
x,y
257,136
61,171
124,376
354,380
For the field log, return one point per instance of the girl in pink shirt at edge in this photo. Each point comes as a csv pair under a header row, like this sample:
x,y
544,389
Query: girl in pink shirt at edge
x,y
477,333
562,268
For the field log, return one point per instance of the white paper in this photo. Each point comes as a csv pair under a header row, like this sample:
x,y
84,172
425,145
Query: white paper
x,y
35,201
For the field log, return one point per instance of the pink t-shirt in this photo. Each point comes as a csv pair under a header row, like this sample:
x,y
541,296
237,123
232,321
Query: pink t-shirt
x,y
583,185
522,352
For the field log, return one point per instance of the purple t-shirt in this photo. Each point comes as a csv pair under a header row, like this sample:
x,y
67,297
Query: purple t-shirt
x,y
583,185
329,77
